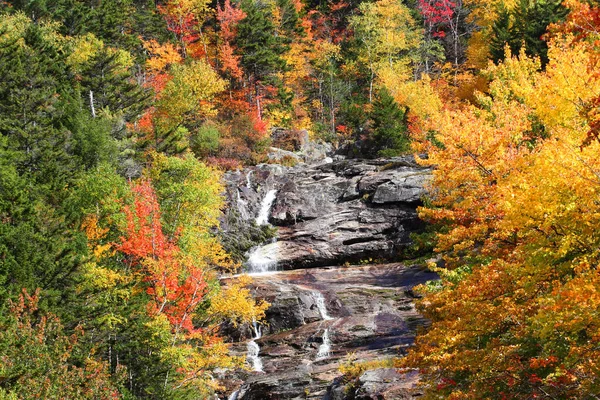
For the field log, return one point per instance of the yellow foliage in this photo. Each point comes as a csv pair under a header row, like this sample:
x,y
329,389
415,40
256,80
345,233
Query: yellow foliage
x,y
163,55
13,27
421,99
190,94
236,304
352,369
95,234
84,48
106,289
386,30
180,9
517,194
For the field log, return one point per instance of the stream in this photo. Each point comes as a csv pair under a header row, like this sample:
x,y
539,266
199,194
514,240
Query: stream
x,y
324,310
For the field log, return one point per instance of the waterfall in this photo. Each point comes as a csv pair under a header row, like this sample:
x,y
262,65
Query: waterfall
x,y
248,181
325,347
318,296
234,395
263,258
254,349
265,207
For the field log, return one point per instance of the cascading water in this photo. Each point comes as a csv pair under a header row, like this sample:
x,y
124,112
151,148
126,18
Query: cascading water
x,y
263,258
254,349
234,395
248,182
265,207
320,300
325,348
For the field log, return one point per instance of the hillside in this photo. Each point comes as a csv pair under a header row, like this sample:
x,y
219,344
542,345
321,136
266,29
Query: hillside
x,y
150,151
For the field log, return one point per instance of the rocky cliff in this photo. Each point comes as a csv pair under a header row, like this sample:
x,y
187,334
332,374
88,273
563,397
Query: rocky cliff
x,y
323,317
329,213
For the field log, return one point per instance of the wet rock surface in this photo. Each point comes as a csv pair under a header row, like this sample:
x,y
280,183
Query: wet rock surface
x,y
367,311
333,212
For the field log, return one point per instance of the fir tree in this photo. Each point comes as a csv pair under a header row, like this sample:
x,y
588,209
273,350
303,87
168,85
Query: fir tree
x,y
524,26
389,127
258,44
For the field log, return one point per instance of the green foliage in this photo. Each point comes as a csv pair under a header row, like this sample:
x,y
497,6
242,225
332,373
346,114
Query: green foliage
x,y
205,141
259,46
524,26
389,126
112,86
37,354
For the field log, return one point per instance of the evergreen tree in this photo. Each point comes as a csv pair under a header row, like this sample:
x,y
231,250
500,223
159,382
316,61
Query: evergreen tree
x,y
524,26
112,87
389,126
290,20
258,45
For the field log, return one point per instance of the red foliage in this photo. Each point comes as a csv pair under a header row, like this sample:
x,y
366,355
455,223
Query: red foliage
x,y
175,284
436,11
145,237
184,26
229,16
227,164
437,14
230,63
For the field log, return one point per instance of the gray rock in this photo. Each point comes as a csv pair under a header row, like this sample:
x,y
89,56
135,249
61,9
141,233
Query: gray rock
x,y
372,317
279,155
387,384
339,211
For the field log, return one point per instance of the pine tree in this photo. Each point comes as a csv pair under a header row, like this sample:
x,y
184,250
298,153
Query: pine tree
x,y
112,87
258,44
524,26
389,127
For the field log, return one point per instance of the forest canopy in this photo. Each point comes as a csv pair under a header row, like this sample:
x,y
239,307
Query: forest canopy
x,y
119,117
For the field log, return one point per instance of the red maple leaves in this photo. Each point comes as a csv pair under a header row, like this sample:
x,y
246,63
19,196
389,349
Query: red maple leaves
x,y
175,284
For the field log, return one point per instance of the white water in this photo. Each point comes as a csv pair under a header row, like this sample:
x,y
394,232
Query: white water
x,y
265,207
254,349
234,395
263,259
320,300
325,348
248,182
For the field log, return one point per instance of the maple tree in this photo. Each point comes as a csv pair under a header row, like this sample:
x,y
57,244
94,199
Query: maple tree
x,y
508,316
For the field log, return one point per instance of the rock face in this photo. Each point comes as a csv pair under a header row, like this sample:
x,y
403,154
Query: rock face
x,y
333,212
366,311
330,213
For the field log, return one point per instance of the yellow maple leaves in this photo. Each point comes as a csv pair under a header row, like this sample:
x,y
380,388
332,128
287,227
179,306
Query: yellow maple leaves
x,y
236,304
518,315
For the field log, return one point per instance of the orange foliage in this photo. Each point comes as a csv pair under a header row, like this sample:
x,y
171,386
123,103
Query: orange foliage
x,y
175,284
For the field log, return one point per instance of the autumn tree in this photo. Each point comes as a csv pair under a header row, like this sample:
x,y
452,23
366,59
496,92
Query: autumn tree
x,y
514,315
38,357
387,35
